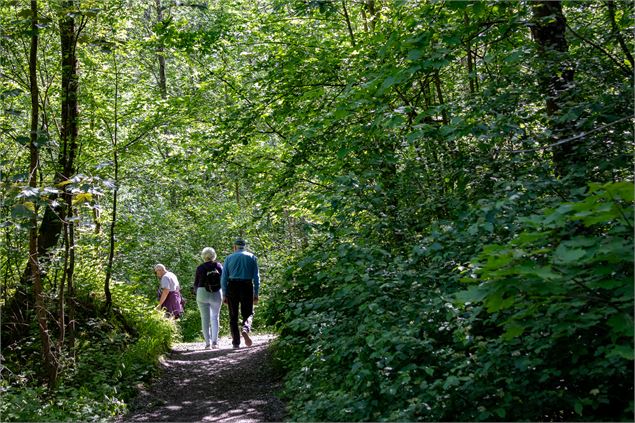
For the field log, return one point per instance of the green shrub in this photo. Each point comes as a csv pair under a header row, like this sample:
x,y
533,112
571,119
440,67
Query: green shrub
x,y
552,314
112,353
372,335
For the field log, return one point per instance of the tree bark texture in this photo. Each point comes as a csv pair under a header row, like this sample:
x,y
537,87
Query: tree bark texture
x,y
114,139
471,71
556,75
373,14
55,213
348,23
50,362
163,87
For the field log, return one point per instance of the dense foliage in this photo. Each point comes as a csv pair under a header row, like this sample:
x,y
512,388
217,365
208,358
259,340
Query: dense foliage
x,y
440,194
111,355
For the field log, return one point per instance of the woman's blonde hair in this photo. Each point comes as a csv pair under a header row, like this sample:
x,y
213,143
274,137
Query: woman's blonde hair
x,y
208,254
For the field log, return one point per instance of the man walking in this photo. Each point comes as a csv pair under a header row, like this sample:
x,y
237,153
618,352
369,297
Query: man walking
x,y
240,283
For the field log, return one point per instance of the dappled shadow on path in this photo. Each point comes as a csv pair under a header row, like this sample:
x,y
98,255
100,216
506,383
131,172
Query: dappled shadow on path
x,y
223,385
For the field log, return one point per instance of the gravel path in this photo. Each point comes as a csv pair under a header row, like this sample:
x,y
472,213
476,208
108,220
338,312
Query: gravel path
x,y
223,385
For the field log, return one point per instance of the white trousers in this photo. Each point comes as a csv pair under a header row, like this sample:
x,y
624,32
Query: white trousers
x,y
209,304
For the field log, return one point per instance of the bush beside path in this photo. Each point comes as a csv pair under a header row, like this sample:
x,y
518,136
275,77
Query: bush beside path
x,y
223,385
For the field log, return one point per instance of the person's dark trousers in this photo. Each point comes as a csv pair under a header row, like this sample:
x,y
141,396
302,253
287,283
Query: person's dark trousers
x,y
240,292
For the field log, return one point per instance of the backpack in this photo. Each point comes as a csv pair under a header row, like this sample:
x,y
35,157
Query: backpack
x,y
211,279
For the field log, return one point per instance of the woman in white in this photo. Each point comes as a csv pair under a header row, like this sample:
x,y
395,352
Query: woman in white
x,y
169,294
209,300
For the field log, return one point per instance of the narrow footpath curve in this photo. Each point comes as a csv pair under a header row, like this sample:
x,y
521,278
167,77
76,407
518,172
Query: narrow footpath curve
x,y
223,385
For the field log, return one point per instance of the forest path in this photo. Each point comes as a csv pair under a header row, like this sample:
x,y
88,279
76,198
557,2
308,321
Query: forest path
x,y
223,385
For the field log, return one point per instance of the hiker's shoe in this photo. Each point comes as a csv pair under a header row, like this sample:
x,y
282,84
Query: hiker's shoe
x,y
247,338
207,346
234,346
214,346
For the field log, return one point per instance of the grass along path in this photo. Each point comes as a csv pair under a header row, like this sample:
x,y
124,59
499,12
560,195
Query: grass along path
x,y
223,385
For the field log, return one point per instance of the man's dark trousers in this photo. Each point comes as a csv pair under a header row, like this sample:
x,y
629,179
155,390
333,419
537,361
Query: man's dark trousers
x,y
240,292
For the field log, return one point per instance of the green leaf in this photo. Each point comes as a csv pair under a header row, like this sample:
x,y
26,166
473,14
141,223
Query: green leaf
x,y
513,330
473,294
543,272
22,210
578,407
415,54
566,255
623,351
530,237
622,190
23,140
24,13
457,5
450,382
10,93
622,324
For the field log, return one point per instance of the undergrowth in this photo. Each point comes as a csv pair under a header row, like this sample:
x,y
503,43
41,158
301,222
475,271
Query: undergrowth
x,y
111,354
475,321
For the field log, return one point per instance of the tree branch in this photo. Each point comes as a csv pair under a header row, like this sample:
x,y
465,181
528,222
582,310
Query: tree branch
x,y
582,135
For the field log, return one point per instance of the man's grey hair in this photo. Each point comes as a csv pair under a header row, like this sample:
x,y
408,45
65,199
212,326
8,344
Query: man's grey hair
x,y
160,267
208,254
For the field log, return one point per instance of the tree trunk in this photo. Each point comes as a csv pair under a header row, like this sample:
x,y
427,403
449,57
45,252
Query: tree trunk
x,y
55,212
556,76
348,22
439,89
69,274
70,111
617,35
365,20
163,88
50,361
111,251
373,13
68,138
69,271
471,73
23,300
113,222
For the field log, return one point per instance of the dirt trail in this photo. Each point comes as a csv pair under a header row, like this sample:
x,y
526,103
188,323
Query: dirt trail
x,y
223,385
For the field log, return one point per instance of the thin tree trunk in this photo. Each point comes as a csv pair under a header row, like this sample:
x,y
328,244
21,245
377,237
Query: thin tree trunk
x,y
69,149
237,193
50,361
163,88
60,312
470,64
111,251
365,19
113,222
68,135
348,23
439,89
69,271
70,110
55,212
373,13
96,217
616,33
71,284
